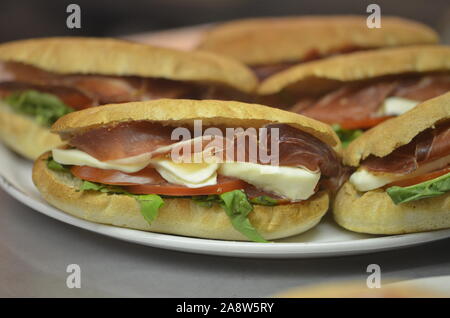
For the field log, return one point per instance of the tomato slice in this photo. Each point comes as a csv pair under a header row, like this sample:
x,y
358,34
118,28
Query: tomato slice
x,y
148,181
364,123
223,185
419,179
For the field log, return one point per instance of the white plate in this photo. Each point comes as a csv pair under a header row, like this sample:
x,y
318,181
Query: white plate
x,y
327,239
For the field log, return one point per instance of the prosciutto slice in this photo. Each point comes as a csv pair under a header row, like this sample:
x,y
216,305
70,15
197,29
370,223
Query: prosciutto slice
x,y
123,140
428,146
295,147
360,102
298,148
100,89
347,103
69,96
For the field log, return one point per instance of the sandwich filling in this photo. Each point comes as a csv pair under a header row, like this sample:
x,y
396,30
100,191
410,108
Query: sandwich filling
x,y
356,107
263,71
418,170
45,95
140,158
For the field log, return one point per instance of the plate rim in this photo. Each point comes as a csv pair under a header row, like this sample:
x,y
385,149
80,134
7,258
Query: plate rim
x,y
229,248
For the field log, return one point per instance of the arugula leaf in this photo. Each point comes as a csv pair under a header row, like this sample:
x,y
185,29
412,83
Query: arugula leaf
x,y
235,203
55,166
264,200
237,207
44,108
346,135
427,189
206,201
149,203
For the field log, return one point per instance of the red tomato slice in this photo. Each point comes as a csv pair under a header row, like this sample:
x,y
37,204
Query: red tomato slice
x,y
419,179
223,185
364,123
148,181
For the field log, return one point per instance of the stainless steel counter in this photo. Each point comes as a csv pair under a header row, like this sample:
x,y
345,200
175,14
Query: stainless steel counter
x,y
35,251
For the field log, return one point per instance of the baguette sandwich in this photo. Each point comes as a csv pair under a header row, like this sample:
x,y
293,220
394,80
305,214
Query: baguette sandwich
x,y
401,182
358,91
43,79
120,167
271,45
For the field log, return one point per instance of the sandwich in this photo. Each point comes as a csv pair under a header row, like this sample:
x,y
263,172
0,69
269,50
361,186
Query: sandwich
x,y
401,182
271,45
44,79
248,172
358,91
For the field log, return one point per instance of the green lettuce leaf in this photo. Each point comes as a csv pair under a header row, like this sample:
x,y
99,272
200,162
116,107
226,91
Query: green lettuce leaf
x,y
264,200
206,201
237,207
346,135
149,203
44,108
235,203
427,189
55,166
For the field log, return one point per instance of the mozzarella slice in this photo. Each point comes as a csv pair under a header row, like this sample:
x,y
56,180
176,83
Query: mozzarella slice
x,y
363,180
395,106
192,175
290,182
77,157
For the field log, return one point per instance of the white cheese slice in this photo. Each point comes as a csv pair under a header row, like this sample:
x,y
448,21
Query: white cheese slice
x,y
363,180
80,158
293,183
192,175
290,182
395,106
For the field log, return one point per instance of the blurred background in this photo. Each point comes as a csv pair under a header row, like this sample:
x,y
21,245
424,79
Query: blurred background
x,y
24,19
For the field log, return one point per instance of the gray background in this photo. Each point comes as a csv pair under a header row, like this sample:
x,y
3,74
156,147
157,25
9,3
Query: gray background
x,y
35,250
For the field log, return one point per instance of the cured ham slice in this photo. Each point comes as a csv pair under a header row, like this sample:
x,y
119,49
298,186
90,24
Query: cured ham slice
x,y
428,146
101,89
424,88
143,140
123,140
356,106
348,103
69,96
296,148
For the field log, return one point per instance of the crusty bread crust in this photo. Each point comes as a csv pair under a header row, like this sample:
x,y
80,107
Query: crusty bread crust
x,y
374,212
181,112
122,58
275,40
177,216
359,66
389,135
24,135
